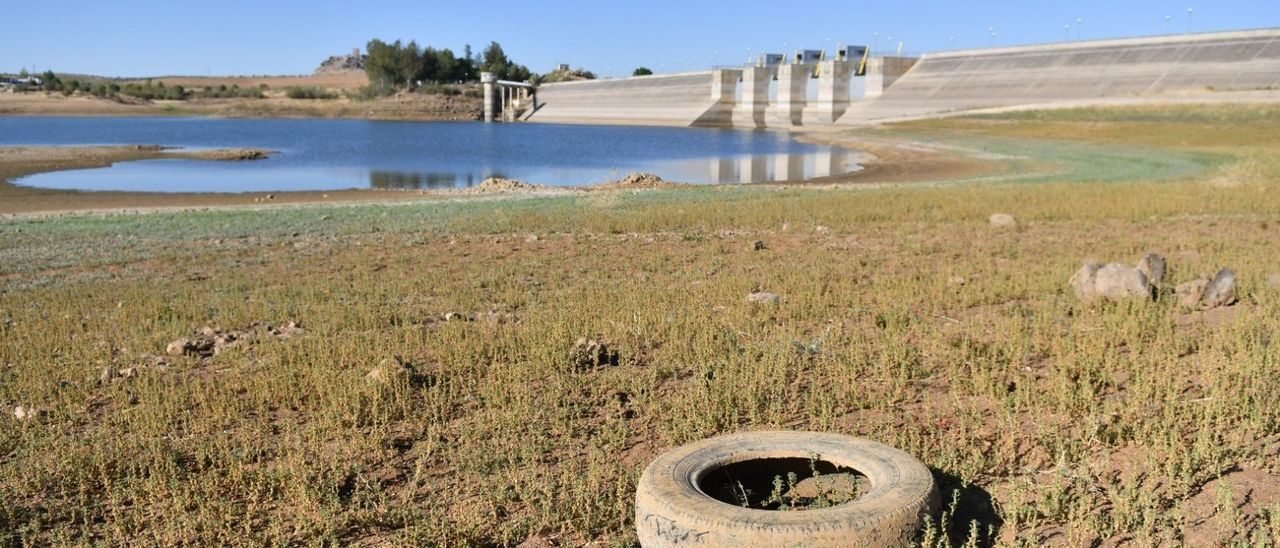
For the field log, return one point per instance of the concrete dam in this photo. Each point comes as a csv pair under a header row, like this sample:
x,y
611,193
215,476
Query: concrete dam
x,y
832,92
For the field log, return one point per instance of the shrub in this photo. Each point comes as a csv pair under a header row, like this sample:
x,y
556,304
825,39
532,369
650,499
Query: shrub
x,y
309,92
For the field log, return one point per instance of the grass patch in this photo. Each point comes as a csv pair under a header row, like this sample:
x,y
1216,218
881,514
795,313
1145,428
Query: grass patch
x,y
1044,420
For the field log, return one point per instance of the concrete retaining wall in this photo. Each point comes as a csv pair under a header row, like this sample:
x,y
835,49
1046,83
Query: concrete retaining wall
x,y
683,99
975,79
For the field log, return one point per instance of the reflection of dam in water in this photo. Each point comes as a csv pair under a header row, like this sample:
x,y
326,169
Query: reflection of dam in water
x,y
756,168
781,167
409,180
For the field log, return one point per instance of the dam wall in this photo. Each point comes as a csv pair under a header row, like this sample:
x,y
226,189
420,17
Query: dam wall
x,y
684,99
1075,71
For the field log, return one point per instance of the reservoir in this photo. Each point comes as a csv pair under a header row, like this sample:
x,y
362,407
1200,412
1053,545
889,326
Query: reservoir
x,y
323,154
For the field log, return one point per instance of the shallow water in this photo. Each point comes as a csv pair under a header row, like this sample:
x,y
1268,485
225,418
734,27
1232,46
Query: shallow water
x,y
339,154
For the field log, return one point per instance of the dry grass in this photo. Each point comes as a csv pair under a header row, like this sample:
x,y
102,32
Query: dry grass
x,y
339,80
1045,421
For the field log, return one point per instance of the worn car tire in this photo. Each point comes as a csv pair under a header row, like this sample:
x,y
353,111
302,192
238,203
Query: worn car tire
x,y
672,510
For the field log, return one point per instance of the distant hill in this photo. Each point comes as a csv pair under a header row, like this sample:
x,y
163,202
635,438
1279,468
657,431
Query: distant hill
x,y
350,62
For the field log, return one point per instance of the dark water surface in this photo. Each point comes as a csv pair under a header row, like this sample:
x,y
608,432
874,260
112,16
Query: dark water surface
x,y
339,154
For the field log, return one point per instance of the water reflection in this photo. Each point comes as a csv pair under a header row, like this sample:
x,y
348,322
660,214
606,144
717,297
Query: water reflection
x,y
765,168
757,168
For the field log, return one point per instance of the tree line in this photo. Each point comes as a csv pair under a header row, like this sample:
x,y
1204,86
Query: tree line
x,y
148,90
394,65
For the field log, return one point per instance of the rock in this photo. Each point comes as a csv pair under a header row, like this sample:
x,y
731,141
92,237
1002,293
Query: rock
x,y
1116,282
1002,221
290,330
1084,281
208,331
639,180
821,229
188,347
591,353
499,184
387,371
531,238
1189,293
177,348
957,281
1221,291
1110,282
757,245
24,413
764,298
108,374
1154,267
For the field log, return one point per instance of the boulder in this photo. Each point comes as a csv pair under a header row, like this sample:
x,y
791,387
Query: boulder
x,y
761,297
1154,267
1221,291
588,353
1110,282
1189,293
190,347
1002,221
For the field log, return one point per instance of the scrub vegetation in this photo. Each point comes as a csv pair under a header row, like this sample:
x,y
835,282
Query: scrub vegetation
x,y
499,371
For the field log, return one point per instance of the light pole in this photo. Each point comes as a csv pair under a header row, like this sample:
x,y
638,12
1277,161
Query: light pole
x,y
1190,11
991,37
1168,24
1066,32
1079,28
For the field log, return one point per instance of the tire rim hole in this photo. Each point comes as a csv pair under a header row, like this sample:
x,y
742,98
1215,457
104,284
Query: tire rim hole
x,y
786,483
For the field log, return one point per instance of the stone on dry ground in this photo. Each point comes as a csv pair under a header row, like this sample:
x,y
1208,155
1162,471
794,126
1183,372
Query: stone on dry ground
x,y
757,245
1110,282
957,281
764,298
1155,267
1189,293
1002,220
1221,291
211,341
1205,293
23,412
499,184
589,353
387,371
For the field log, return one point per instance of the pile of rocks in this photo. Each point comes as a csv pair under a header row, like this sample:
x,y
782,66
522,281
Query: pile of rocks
x,y
494,185
638,180
590,353
210,342
1114,282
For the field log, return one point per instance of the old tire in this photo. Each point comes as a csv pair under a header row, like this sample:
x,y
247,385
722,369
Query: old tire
x,y
672,510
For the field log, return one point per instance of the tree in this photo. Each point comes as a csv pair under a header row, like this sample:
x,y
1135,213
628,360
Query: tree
x,y
495,60
642,71
49,81
23,73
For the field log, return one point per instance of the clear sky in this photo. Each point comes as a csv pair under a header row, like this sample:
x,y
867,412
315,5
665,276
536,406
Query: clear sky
x,y
165,37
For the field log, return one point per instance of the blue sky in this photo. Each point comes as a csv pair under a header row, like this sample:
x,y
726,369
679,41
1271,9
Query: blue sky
x,y
144,38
